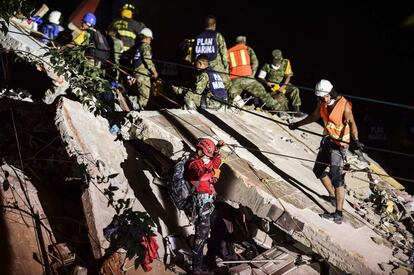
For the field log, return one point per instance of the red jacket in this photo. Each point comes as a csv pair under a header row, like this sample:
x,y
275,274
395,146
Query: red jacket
x,y
196,170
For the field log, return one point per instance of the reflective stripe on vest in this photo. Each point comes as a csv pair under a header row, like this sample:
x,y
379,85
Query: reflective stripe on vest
x,y
127,33
239,64
334,125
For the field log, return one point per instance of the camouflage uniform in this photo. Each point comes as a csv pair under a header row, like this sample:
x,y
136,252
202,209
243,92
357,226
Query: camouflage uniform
x,y
254,87
221,63
143,76
193,97
277,75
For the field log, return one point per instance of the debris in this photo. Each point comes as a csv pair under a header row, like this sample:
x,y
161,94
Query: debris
x,y
262,239
386,267
281,262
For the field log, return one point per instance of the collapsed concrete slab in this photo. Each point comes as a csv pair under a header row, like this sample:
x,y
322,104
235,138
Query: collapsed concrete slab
x,y
24,240
260,173
87,138
19,41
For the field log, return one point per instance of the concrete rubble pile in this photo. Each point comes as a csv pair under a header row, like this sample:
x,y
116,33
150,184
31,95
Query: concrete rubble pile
x,y
281,192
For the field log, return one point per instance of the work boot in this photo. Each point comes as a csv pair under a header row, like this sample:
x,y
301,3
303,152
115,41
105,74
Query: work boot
x,y
333,217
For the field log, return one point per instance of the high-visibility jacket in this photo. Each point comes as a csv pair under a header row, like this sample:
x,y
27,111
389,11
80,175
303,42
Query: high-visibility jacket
x,y
239,61
334,125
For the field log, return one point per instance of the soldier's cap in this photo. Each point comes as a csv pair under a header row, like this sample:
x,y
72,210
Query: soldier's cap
x,y
241,39
277,54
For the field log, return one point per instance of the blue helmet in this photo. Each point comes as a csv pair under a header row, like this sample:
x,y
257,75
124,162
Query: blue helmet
x,y
89,19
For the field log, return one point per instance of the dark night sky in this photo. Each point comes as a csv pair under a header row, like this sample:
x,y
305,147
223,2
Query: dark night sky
x,y
360,47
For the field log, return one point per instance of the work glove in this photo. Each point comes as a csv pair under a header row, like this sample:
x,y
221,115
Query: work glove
x,y
220,144
293,126
358,145
176,90
216,173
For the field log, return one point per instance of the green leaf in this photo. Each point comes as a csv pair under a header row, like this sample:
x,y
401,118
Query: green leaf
x,y
111,176
113,188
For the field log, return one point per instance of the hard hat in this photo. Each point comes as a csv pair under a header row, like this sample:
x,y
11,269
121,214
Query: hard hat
x,y
54,17
241,39
146,32
207,145
323,87
277,54
126,13
89,19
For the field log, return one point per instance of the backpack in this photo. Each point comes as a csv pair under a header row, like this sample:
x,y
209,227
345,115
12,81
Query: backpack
x,y
100,49
179,189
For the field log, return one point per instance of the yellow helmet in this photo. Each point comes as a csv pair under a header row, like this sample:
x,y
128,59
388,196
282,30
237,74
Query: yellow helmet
x,y
126,13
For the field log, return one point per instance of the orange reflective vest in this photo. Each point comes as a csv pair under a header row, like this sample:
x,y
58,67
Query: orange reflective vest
x,y
334,125
239,61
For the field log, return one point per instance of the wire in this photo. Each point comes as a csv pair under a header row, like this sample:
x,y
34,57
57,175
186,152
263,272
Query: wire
x,y
23,186
383,102
310,132
281,155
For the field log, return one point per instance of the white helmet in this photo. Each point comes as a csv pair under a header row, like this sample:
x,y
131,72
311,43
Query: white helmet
x,y
323,87
146,32
54,17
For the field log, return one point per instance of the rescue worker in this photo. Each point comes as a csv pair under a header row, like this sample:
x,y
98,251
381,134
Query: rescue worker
x,y
144,70
339,126
53,28
276,77
127,28
116,45
243,65
203,172
212,44
208,85
89,37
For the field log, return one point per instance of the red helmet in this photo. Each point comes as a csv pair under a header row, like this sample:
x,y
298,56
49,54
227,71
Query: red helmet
x,y
207,145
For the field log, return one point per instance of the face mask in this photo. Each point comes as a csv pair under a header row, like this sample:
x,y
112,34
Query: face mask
x,y
331,102
205,159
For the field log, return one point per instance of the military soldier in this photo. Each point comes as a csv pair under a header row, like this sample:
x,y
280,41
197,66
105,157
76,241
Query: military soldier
x,y
212,44
243,66
144,70
127,28
208,85
276,77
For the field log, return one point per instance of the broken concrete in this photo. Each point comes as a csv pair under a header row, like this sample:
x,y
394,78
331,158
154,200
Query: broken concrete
x,y
272,185
94,148
18,40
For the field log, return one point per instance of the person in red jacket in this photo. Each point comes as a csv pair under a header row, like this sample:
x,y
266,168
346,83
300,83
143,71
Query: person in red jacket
x,y
203,172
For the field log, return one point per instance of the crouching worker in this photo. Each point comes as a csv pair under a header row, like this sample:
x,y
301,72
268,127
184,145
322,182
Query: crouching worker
x,y
202,171
209,88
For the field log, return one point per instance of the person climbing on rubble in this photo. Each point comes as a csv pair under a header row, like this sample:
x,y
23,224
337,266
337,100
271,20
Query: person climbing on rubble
x,y
203,172
53,27
243,66
97,47
272,76
144,71
213,45
208,87
339,126
127,28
